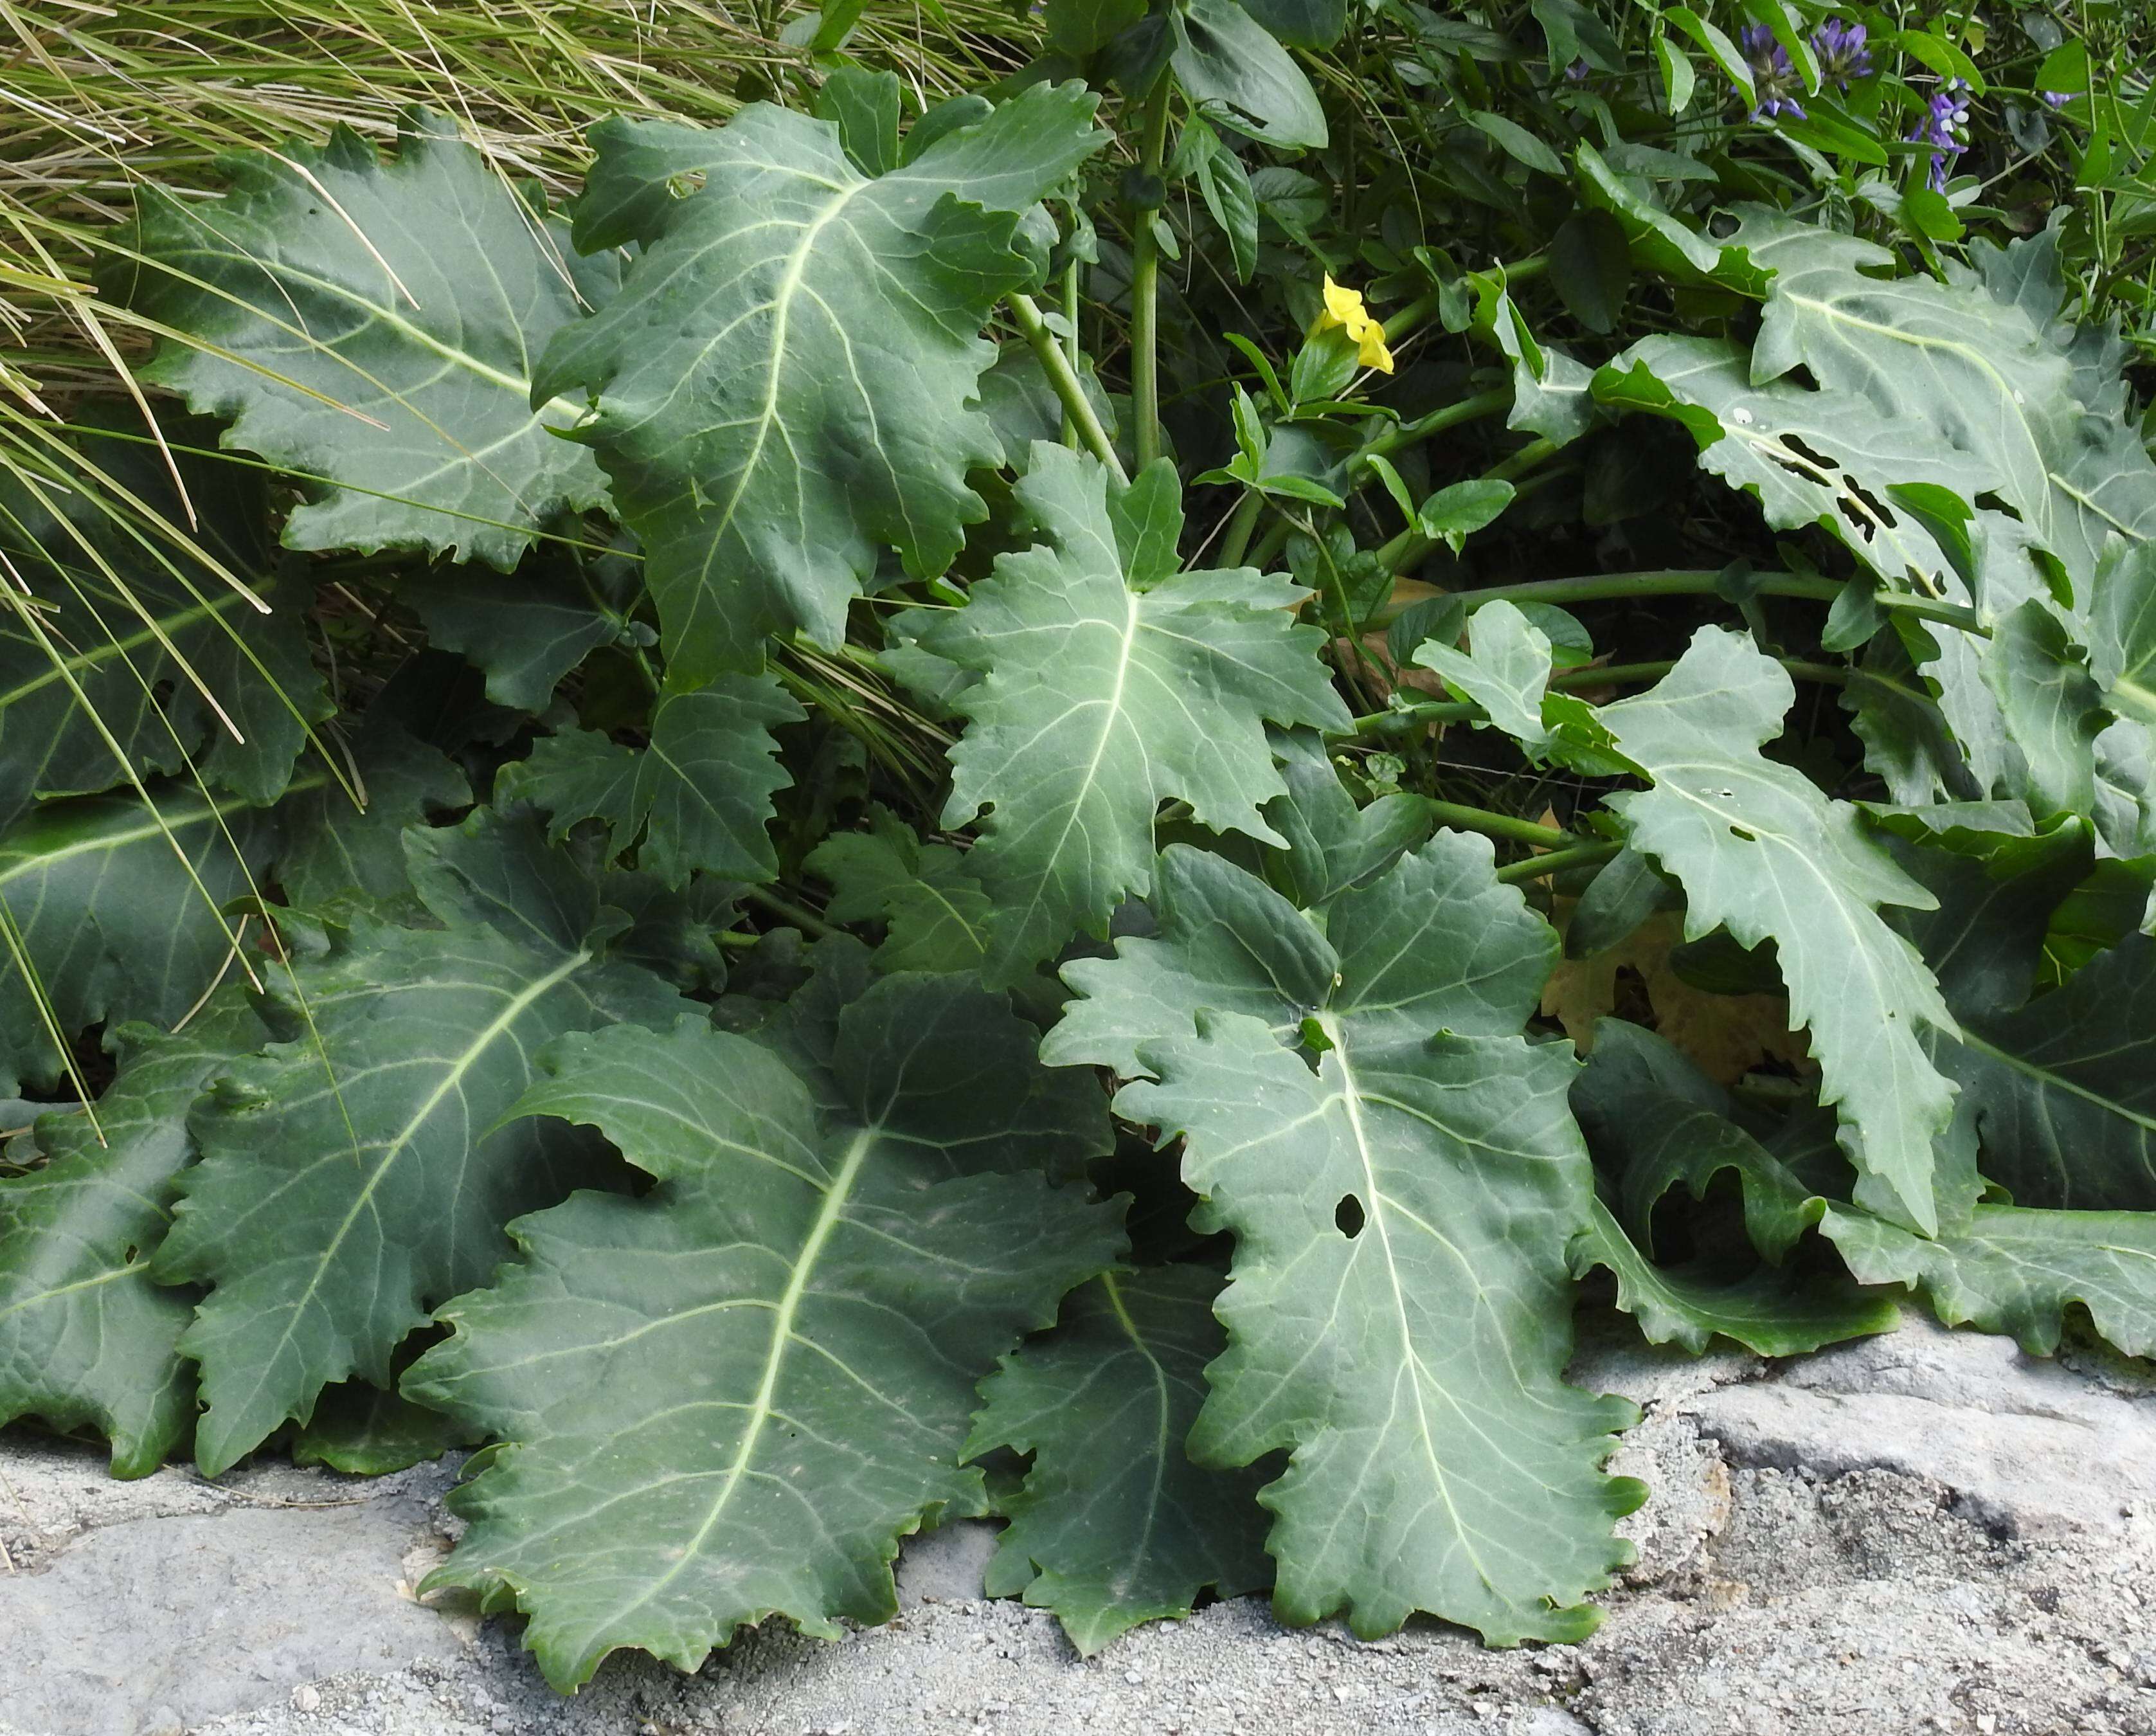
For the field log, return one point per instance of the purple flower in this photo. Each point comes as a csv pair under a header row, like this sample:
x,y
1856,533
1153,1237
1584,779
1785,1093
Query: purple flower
x,y
1944,128
1842,51
1773,79
2056,99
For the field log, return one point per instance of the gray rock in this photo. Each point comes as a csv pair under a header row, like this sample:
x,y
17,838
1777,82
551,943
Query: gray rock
x,y
1950,1557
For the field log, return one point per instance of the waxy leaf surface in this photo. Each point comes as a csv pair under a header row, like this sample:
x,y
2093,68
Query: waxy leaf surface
x,y
730,1399
354,1175
1399,1309
375,325
783,385
1111,683
1115,1525
86,1338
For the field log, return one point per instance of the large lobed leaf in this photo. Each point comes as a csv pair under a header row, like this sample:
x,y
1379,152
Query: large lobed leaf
x,y
1399,1309
376,326
353,1173
1110,683
1761,852
783,384
1114,1524
85,1337
730,1398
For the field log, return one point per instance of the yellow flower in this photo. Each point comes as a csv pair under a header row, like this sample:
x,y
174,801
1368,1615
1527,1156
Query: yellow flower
x,y
1344,309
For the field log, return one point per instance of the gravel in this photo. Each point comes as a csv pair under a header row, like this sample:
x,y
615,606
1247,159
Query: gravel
x,y
1924,1531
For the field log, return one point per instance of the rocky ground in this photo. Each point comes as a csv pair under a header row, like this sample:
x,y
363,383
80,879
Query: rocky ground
x,y
1919,1532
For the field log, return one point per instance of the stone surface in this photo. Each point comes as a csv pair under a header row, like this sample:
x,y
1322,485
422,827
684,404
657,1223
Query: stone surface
x,y
1923,1533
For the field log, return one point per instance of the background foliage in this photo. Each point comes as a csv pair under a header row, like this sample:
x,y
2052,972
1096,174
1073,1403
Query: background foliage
x,y
830,767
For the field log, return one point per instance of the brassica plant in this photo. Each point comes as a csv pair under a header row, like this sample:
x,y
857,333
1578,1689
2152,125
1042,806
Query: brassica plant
x,y
980,809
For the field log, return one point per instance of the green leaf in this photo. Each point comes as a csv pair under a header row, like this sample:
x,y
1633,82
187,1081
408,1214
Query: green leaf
x,y
1516,142
2016,1270
769,428
2064,1088
863,105
364,1430
1977,363
729,1399
527,630
1456,511
1331,844
114,904
373,325
1082,29
696,796
1301,23
337,856
1091,648
1114,1525
1661,242
1506,671
937,914
1767,1312
1224,185
1591,268
1653,1117
1761,852
1399,1313
86,1338
355,1174
1235,74
138,636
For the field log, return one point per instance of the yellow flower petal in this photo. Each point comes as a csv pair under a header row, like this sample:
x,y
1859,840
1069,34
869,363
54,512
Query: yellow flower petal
x,y
1344,308
1372,351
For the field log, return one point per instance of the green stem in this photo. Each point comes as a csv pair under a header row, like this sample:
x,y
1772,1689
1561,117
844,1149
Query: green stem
x,y
1070,352
1235,541
1069,389
1608,586
1413,433
1457,710
1410,546
1145,283
1508,826
1556,861
814,927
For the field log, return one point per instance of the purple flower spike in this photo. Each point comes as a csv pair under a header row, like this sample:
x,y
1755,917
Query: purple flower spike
x,y
1774,79
1944,128
1843,52
2056,99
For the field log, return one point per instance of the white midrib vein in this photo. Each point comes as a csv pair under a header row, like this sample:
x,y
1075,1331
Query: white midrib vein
x,y
764,1406
520,1004
1351,1098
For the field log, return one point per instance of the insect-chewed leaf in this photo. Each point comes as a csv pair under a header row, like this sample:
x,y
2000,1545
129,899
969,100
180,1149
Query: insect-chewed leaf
x,y
784,383
354,1175
730,1398
1761,852
114,902
1972,361
86,1338
374,324
1110,683
140,637
1399,1313
2014,1270
1114,1524
698,793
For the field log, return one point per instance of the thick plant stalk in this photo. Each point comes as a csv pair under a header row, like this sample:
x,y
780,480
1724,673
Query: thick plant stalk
x,y
1145,286
1070,390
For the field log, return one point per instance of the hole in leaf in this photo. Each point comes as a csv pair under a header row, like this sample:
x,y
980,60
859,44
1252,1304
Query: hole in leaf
x,y
1748,837
1347,1216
